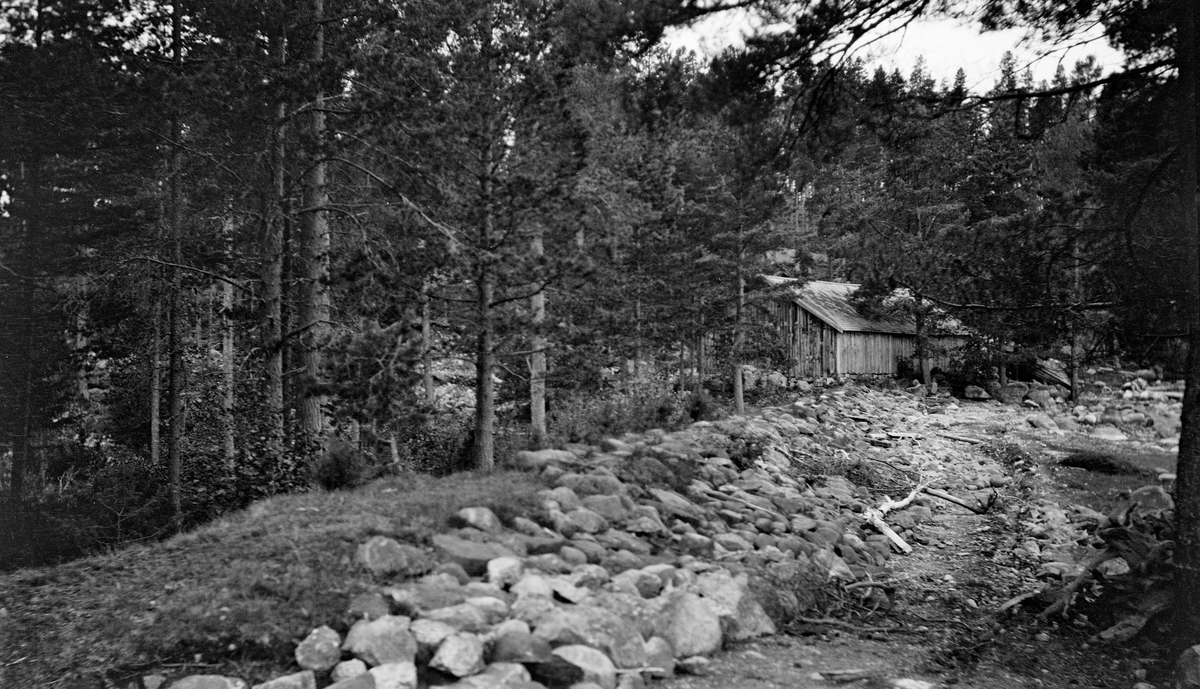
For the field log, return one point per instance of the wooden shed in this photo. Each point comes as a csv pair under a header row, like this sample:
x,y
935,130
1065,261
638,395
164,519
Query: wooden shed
x,y
822,334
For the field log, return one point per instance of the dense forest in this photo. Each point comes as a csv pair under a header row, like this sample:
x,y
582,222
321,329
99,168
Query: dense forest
x,y
251,246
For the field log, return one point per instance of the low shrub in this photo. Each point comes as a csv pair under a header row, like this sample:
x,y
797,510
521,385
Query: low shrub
x,y
631,407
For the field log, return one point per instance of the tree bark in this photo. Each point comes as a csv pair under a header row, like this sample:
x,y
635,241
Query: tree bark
x,y
314,260
739,336
485,363
272,274
537,359
1187,483
427,343
175,344
229,428
922,342
156,380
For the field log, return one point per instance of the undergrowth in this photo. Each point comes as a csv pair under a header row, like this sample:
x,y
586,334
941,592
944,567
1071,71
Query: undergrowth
x,y
233,596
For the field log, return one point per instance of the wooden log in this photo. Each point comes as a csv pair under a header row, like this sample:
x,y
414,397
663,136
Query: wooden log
x,y
977,509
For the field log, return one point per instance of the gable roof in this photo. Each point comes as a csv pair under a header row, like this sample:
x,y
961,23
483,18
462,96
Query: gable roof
x,y
830,302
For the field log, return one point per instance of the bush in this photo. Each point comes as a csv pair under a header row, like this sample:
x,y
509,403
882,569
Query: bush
x,y
633,407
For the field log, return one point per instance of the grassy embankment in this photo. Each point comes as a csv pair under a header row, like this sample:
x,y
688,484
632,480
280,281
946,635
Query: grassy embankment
x,y
231,597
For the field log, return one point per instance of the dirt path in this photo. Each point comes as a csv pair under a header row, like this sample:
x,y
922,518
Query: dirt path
x,y
945,626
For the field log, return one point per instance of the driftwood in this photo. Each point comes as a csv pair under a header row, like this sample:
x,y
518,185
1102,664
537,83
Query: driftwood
x,y
874,516
976,508
963,438
1020,598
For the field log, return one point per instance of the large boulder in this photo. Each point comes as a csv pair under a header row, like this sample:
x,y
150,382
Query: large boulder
x,y
591,484
320,650
690,624
1012,393
208,682
385,556
596,627
482,518
596,666
736,605
536,460
675,505
974,392
472,555
459,655
296,680
382,641
401,675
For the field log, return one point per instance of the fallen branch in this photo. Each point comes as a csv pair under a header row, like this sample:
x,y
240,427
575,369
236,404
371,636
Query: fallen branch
x,y
1018,599
963,438
844,625
871,584
875,518
976,508
1068,594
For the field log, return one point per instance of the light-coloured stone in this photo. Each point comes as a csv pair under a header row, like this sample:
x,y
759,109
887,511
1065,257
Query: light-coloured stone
x,y
674,504
460,655
1187,669
385,556
540,459
209,682
431,633
348,669
498,676
611,507
382,641
297,680
595,665
690,624
395,676
596,627
661,657
481,518
520,647
320,650
742,615
473,556
582,520
504,571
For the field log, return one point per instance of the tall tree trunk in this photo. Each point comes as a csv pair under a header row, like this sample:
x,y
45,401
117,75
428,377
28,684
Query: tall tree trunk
x,y
227,352
156,379
922,341
1187,483
314,249
23,458
272,273
175,344
485,287
485,364
427,342
537,359
739,336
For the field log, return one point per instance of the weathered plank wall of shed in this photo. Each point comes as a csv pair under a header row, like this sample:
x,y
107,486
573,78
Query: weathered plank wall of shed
x,y
808,344
872,352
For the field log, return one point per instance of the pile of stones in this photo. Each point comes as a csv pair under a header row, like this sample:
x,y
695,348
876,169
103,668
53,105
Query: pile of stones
x,y
1143,407
645,557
